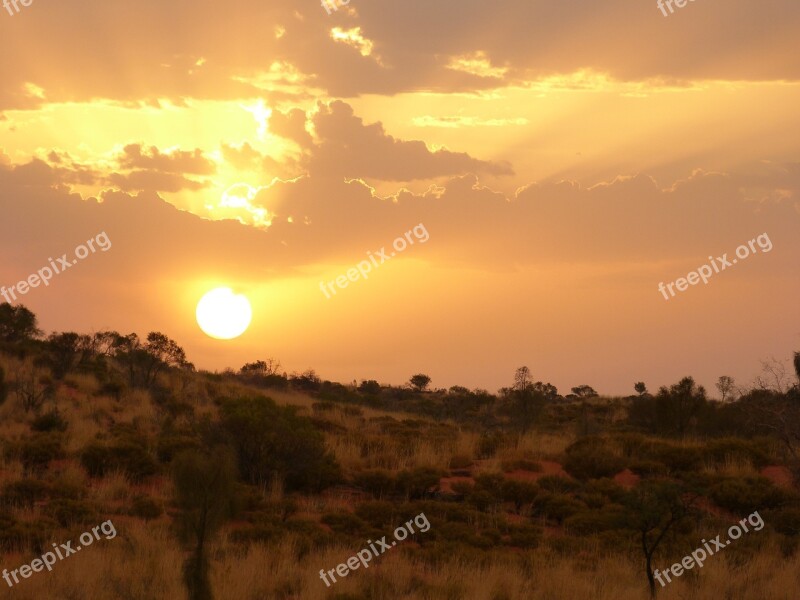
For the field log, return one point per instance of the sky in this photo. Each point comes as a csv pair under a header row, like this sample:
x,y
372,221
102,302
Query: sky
x,y
563,159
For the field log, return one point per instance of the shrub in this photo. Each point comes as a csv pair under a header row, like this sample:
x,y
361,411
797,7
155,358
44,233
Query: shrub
x,y
414,484
378,483
746,495
100,458
460,461
524,536
23,493
724,449
273,441
676,458
592,458
36,452
170,445
556,507
378,514
489,443
558,484
145,508
518,492
49,421
521,464
594,521
70,512
3,386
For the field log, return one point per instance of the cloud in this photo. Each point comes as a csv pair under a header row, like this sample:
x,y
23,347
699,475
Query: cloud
x,y
346,146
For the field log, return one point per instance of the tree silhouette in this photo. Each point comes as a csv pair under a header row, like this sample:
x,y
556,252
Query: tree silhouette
x,y
419,382
204,493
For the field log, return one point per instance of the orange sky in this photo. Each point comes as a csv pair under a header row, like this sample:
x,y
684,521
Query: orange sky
x,y
565,159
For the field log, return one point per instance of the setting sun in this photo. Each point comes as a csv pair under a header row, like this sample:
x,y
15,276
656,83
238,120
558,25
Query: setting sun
x,y
223,315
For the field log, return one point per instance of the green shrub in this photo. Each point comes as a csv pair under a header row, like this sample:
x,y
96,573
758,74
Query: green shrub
x,y
25,536
676,458
558,484
556,507
378,514
100,458
460,461
648,468
489,443
23,493
521,464
721,450
524,536
145,508
272,441
592,457
347,524
171,445
414,484
785,520
743,496
73,512
518,492
39,449
49,421
378,483
595,521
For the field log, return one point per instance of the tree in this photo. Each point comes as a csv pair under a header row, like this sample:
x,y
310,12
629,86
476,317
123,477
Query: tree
x,y
262,368
678,406
584,391
419,382
655,508
725,385
204,493
797,366
144,362
522,379
273,442
640,388
370,386
17,324
3,386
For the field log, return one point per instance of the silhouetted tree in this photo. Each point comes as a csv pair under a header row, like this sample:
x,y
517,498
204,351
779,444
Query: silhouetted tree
x,y
419,382
17,324
655,508
370,386
678,405
584,391
640,388
204,493
725,385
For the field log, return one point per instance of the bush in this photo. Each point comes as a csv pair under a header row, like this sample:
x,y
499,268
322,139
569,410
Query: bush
x,y
725,449
415,484
378,483
558,484
24,493
589,522
556,507
518,492
592,458
460,461
3,386
73,512
743,496
36,452
49,421
272,441
100,458
170,445
489,443
145,508
521,464
676,458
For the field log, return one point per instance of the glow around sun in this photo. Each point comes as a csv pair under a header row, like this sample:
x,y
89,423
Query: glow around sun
x,y
223,315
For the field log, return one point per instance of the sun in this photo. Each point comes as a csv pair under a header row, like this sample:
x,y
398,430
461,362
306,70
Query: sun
x,y
223,315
